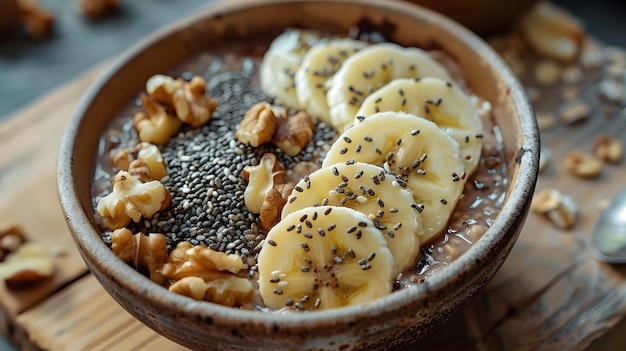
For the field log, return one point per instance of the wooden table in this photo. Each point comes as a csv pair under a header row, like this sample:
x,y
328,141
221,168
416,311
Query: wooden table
x,y
549,294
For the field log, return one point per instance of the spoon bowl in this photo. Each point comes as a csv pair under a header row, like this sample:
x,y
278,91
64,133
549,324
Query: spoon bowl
x,y
608,239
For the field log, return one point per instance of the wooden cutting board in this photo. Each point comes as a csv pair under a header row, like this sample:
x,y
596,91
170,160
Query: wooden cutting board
x,y
549,294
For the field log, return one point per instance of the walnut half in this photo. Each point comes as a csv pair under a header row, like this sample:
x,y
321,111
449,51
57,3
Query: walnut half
x,y
258,125
229,291
294,133
560,209
28,265
131,200
154,124
188,99
200,261
11,237
143,252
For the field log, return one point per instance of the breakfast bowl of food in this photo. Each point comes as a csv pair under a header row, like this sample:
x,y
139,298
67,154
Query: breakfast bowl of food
x,y
300,174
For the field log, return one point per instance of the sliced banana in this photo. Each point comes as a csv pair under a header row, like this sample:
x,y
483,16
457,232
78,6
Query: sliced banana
x,y
439,101
371,68
324,257
319,64
280,63
372,191
421,155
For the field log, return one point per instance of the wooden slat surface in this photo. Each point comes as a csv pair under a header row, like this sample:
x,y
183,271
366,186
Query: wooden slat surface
x,y
70,311
549,294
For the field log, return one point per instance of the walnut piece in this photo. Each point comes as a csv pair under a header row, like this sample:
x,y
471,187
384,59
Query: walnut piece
x,y
272,206
162,87
143,252
573,112
560,209
131,200
258,125
144,162
261,178
28,265
154,124
609,149
122,159
200,261
188,99
95,9
11,237
552,31
36,21
611,90
193,106
140,170
293,133
547,72
583,165
229,291
151,154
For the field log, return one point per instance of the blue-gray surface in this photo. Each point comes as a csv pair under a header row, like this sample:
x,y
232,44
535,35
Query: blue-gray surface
x,y
29,69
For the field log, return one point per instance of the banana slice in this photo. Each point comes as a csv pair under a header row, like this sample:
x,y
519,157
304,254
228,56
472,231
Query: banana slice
x,y
371,68
318,65
280,63
372,191
436,100
421,155
324,257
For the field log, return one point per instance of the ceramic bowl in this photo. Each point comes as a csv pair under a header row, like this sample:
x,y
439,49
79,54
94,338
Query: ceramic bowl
x,y
393,321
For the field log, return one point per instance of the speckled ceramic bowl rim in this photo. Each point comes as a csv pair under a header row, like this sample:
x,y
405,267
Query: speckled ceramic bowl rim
x,y
88,238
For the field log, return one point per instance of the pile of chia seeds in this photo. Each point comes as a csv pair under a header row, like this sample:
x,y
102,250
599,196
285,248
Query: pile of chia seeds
x,y
204,172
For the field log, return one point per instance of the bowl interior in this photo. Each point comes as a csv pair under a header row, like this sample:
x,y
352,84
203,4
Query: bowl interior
x,y
407,314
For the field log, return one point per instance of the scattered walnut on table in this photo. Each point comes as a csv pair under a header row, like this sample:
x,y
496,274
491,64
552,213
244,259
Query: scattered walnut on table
x,y
36,20
95,9
29,264
591,55
560,209
552,31
570,93
613,91
131,200
573,112
609,149
154,124
547,72
11,237
583,164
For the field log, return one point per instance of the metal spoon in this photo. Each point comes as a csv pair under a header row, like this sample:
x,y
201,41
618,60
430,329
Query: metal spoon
x,y
608,239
